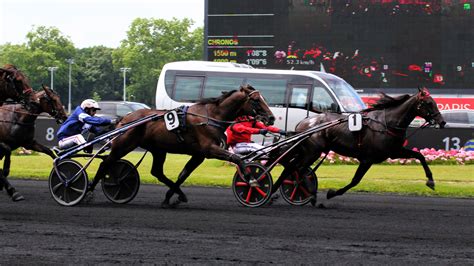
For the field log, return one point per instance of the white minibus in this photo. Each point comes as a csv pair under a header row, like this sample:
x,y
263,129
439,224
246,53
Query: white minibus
x,y
291,94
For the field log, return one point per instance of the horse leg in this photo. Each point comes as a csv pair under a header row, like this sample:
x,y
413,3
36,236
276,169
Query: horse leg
x,y
406,153
159,158
190,166
11,191
35,146
361,170
120,147
216,152
104,166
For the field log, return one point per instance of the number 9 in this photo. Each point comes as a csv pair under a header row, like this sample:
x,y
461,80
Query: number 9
x,y
170,118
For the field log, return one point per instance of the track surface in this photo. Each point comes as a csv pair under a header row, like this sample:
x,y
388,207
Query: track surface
x,y
213,229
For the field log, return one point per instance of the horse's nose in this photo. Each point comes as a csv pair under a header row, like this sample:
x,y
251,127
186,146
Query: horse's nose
x,y
442,124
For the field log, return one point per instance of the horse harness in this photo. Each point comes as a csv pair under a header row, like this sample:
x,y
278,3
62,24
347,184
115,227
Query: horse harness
x,y
393,131
182,112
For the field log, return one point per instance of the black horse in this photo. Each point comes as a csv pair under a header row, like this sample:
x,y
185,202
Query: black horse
x,y
201,135
13,85
17,129
382,136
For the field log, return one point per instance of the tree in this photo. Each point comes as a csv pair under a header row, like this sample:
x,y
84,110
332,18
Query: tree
x,y
46,46
150,44
96,75
49,47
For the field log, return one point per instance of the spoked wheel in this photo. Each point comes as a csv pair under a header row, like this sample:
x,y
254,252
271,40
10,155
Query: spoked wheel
x,y
294,189
255,191
121,184
70,187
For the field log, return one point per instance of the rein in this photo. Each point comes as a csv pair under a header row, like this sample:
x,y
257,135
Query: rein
x,y
18,123
23,112
222,124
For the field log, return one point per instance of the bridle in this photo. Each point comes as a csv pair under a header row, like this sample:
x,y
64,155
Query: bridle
x,y
422,108
255,97
54,112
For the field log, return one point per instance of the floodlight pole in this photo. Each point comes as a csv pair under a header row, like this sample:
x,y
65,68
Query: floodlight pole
x,y
52,69
70,61
125,70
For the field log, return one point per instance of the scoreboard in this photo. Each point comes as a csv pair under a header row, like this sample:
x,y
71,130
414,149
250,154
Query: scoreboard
x,y
370,43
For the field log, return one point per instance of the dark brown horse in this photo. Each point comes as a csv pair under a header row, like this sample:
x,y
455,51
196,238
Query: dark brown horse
x,y
382,136
17,129
13,85
201,135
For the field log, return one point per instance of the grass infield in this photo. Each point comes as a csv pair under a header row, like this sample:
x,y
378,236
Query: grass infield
x,y
451,180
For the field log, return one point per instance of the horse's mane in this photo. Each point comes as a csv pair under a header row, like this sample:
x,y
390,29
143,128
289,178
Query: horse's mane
x,y
216,100
18,75
386,101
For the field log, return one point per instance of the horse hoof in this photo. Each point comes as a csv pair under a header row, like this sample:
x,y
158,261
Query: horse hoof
x,y
182,198
313,201
430,184
331,194
17,197
89,197
175,204
167,205
272,199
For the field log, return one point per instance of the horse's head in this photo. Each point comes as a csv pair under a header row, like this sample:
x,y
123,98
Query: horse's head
x,y
426,108
13,83
50,102
256,106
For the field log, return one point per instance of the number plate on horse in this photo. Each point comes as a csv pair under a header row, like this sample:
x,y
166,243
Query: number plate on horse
x,y
355,122
171,120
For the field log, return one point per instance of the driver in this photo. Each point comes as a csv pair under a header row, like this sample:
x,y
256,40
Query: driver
x,y
81,125
240,133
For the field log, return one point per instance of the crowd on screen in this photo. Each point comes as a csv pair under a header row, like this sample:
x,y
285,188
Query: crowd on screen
x,y
388,7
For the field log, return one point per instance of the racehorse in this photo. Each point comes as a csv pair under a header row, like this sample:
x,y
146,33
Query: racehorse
x,y
17,129
382,136
201,136
13,84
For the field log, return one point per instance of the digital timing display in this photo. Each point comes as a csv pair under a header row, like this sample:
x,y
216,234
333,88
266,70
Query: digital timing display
x,y
369,43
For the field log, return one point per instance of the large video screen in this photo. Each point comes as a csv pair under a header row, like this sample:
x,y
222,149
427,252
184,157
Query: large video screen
x,y
370,43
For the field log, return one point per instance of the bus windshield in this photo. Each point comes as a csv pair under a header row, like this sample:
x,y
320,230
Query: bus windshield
x,y
349,98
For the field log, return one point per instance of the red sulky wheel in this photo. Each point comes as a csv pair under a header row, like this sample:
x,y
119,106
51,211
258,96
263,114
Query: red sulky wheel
x,y
255,191
295,191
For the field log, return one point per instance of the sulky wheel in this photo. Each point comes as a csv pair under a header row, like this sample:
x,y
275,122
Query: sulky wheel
x,y
255,191
70,187
294,189
122,182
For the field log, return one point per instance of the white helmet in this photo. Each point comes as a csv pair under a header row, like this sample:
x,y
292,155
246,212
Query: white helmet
x,y
89,103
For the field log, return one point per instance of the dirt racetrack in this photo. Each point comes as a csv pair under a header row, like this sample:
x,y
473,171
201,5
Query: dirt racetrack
x,y
213,229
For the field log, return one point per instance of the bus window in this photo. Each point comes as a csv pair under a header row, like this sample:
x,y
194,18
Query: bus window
x,y
322,101
216,85
272,89
299,97
345,93
188,89
169,82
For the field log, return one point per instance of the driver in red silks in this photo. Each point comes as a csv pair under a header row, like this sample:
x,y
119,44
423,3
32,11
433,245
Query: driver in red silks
x,y
239,134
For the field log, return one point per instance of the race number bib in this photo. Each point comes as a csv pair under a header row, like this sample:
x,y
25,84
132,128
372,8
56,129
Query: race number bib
x,y
171,120
355,122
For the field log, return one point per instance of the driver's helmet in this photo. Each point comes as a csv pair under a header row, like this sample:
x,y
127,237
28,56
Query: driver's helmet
x,y
89,103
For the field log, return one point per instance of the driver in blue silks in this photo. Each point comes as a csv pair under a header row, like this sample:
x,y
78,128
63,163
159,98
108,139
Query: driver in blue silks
x,y
81,125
